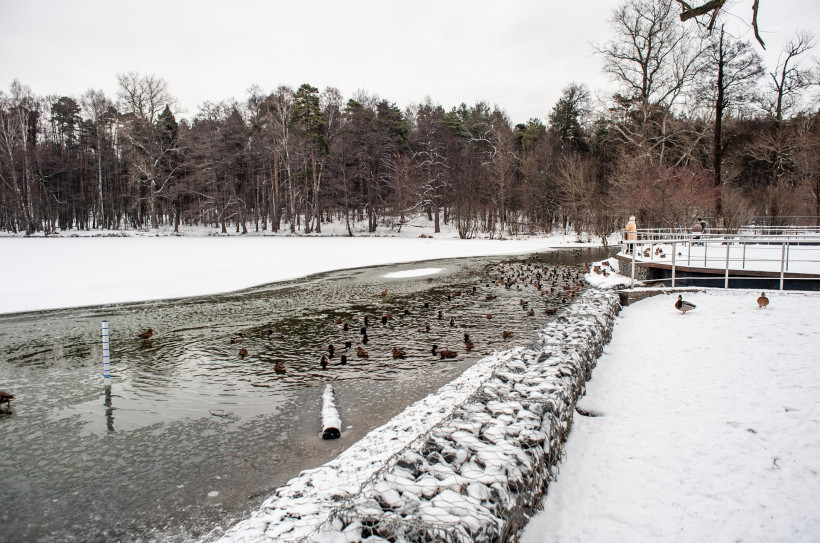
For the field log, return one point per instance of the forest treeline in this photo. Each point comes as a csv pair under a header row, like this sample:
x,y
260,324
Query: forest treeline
x,y
698,127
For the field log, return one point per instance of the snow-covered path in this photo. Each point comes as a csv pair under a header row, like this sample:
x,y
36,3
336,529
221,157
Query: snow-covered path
x,y
709,427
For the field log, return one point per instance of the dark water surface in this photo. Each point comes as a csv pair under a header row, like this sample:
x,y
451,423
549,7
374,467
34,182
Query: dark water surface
x,y
192,436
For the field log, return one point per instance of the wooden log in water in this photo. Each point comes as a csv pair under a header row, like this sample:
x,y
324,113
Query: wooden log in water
x,y
331,422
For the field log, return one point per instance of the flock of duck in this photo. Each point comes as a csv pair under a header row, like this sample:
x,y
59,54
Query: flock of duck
x,y
531,278
528,277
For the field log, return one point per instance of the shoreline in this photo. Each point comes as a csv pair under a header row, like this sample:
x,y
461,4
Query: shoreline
x,y
82,272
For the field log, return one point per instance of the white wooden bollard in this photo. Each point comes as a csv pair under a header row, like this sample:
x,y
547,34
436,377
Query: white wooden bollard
x,y
106,352
331,422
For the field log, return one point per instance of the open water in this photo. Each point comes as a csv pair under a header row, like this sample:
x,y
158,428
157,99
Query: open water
x,y
191,436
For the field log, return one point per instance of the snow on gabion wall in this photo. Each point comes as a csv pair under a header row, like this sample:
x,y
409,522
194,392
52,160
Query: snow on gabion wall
x,y
469,463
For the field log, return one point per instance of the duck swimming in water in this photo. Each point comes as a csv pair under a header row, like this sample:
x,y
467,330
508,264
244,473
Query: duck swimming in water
x,y
146,334
6,397
279,368
399,353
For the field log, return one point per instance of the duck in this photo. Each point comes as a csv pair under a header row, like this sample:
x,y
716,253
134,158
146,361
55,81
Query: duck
x,y
345,327
447,353
365,339
272,334
279,368
348,345
427,328
683,306
468,343
384,293
239,338
550,311
399,353
452,321
433,350
489,315
146,334
330,350
343,361
6,397
243,352
762,301
506,334
338,320
361,353
323,361
531,313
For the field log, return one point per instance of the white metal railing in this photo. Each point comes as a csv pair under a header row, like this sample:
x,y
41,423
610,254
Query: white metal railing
x,y
774,254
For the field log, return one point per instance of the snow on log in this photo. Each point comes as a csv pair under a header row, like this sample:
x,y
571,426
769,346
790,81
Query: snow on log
x,y
331,422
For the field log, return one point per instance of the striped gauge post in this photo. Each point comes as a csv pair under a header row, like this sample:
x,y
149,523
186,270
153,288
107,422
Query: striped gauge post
x,y
106,355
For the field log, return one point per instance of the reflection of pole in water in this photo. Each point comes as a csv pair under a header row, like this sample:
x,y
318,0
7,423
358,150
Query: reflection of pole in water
x,y
109,410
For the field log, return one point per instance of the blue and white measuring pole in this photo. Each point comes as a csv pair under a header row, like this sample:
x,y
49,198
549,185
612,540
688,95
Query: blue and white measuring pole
x,y
106,355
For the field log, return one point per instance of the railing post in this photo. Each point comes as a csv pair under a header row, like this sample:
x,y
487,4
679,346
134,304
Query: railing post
x,y
705,247
726,279
788,249
782,263
744,255
634,250
674,255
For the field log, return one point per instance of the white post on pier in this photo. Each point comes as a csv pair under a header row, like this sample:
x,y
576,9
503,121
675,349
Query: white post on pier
x,y
782,263
106,355
726,281
674,254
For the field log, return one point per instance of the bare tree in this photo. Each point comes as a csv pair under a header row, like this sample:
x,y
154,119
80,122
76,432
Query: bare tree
x,y
655,60
791,78
101,114
733,68
141,99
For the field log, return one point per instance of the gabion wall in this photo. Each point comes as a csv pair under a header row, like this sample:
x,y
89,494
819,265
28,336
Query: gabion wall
x,y
479,471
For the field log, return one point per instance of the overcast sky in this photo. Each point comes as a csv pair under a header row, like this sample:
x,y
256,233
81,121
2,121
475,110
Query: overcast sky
x,y
517,54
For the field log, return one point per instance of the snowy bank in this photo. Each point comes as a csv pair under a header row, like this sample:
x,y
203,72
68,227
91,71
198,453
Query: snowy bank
x,y
708,427
467,463
56,272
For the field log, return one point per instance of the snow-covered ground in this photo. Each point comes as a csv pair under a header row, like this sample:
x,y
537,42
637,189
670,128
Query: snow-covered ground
x,y
708,427
65,271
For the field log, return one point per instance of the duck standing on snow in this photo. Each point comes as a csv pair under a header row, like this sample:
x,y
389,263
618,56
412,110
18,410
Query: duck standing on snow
x,y
683,306
762,301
